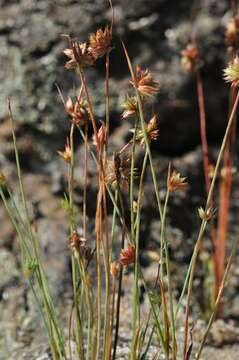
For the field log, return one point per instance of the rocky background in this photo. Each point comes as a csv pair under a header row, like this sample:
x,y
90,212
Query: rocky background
x,y
32,63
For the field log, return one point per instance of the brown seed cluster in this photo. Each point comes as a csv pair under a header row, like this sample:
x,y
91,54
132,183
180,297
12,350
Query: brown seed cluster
x,y
176,182
144,82
127,256
86,54
99,43
78,111
190,58
118,171
79,244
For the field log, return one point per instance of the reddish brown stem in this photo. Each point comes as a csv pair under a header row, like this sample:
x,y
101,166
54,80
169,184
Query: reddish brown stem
x,y
203,131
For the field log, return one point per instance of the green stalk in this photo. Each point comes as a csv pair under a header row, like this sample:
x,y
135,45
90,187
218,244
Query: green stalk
x,y
218,299
204,222
136,309
170,292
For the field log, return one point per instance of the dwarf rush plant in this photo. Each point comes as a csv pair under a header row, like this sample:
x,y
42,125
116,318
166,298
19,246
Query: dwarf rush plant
x,y
100,258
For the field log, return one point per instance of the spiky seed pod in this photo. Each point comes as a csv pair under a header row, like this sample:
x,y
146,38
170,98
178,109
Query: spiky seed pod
x,y
129,106
176,182
79,55
231,73
66,155
99,43
144,82
78,111
190,60
127,256
232,34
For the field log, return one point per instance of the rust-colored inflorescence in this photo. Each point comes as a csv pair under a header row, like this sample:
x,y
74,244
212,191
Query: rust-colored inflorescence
x,y
78,111
78,54
78,243
127,256
99,43
144,82
118,171
190,58
176,182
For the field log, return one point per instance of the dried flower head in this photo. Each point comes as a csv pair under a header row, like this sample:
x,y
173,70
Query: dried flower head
x,y
127,256
99,43
190,58
129,106
144,82
176,182
114,269
78,111
151,130
66,155
206,214
79,55
78,244
232,33
102,136
231,73
118,171
2,179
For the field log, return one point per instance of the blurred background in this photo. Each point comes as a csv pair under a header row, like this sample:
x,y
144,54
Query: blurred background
x,y
32,64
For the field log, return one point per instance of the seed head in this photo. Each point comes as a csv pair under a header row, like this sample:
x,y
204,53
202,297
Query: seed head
x,y
144,82
66,155
151,130
190,58
118,171
130,107
78,111
127,256
99,43
114,269
78,244
231,73
206,214
79,54
176,182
